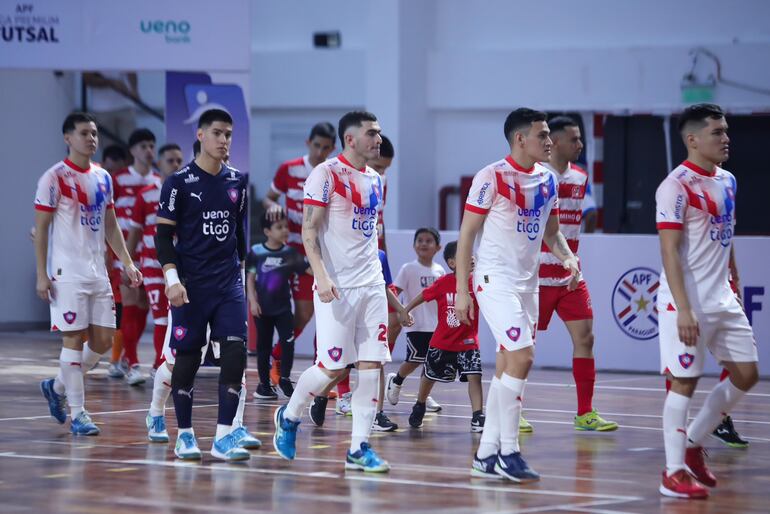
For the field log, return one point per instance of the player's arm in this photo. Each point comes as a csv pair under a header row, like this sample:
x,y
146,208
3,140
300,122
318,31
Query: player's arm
x,y
313,217
687,324
251,294
43,221
403,313
115,240
734,278
134,235
271,205
469,228
557,243
164,246
590,220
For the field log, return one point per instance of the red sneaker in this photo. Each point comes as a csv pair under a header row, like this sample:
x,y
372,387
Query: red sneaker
x,y
682,485
693,458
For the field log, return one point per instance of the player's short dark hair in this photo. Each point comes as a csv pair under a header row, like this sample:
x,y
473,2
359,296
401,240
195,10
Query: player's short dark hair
x,y
196,147
114,152
428,230
558,123
139,136
450,249
323,129
353,119
521,118
212,115
695,116
169,146
268,223
74,118
386,148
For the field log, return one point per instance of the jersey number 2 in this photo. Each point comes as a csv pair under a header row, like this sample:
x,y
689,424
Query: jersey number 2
x,y
383,334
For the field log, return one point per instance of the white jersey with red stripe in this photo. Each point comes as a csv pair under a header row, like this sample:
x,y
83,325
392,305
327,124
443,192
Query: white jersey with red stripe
x,y
348,237
702,205
290,180
79,199
517,202
143,218
572,191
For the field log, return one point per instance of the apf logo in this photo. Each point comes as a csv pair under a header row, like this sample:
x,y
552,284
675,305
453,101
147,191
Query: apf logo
x,y
174,31
633,303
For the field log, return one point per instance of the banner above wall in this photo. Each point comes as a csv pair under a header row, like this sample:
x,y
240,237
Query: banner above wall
x,y
137,35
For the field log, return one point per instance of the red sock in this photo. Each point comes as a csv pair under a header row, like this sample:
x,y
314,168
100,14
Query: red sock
x,y
134,321
668,385
344,386
724,375
276,354
584,371
158,336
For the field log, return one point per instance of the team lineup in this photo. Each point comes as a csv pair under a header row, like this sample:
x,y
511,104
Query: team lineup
x,y
112,245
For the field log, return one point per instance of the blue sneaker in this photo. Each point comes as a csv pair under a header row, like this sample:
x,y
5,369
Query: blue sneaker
x,y
285,437
82,425
55,401
485,468
156,428
227,449
244,439
187,447
366,459
515,468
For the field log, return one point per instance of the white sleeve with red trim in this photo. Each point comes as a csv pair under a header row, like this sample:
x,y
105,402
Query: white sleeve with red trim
x,y
48,193
319,186
670,205
482,192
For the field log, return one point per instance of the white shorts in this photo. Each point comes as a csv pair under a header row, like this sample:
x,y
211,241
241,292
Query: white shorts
x,y
511,316
353,328
76,305
170,355
726,334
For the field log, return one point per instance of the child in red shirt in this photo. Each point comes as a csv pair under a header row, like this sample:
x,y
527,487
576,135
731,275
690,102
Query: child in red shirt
x,y
454,347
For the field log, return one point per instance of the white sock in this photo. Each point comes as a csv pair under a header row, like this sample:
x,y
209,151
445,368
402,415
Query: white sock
x,y
364,406
490,437
310,383
58,384
70,364
721,399
161,389
90,358
222,430
511,391
674,432
238,419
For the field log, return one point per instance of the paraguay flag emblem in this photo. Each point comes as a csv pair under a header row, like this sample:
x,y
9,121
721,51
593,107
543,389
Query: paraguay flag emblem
x,y
335,353
179,333
686,360
513,333
233,194
70,317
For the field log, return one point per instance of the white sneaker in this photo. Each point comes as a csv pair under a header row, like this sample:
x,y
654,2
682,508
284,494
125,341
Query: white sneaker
x,y
114,371
392,390
187,447
432,405
134,376
343,405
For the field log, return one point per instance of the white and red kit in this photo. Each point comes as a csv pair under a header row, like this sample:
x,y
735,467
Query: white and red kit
x,y
128,182
143,218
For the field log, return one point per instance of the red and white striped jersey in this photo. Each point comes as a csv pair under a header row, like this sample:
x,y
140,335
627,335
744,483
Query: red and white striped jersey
x,y
79,199
290,180
572,191
128,182
517,203
143,218
348,236
702,205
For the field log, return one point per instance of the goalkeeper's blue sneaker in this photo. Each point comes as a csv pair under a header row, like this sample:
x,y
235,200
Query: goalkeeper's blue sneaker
x,y
82,425
55,401
285,437
367,460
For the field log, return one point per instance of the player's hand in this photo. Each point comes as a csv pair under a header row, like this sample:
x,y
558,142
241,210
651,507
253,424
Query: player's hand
x,y
406,319
134,275
255,309
327,290
177,295
44,288
274,212
571,264
464,308
687,324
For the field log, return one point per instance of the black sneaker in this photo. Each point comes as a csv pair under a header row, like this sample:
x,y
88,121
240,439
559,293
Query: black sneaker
x,y
265,392
286,386
317,410
418,412
477,422
383,424
726,433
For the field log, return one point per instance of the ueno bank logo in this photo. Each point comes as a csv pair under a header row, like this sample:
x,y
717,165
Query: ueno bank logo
x,y
173,31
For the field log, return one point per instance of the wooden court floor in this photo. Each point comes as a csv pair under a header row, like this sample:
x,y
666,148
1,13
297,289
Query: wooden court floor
x,y
45,469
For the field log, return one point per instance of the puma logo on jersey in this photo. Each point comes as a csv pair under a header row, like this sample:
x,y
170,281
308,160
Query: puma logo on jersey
x,y
198,196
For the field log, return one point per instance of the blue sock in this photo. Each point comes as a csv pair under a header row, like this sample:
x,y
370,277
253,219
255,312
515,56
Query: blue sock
x,y
228,403
183,402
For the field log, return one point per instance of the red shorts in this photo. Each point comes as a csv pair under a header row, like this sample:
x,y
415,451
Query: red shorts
x,y
569,305
302,288
395,292
156,294
115,284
